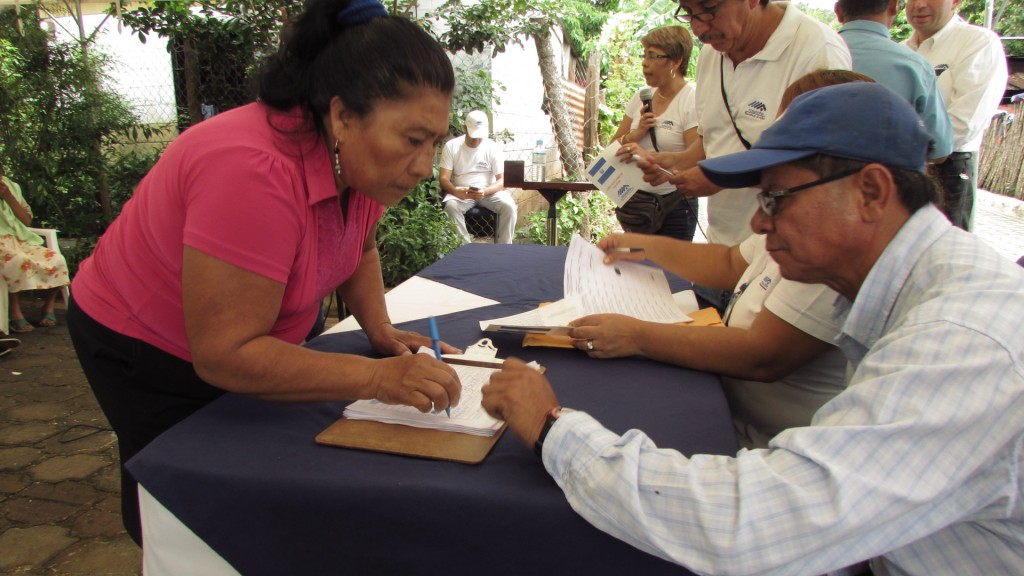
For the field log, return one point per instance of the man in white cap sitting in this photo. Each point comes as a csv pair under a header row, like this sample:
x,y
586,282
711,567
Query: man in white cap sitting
x,y
472,174
916,467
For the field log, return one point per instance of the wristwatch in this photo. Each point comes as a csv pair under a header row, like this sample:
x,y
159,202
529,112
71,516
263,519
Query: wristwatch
x,y
549,421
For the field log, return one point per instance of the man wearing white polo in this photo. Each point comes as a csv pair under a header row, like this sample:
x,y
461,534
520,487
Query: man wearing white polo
x,y
472,173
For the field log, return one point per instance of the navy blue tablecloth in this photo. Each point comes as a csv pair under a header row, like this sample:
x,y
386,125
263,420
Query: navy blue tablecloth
x,y
247,477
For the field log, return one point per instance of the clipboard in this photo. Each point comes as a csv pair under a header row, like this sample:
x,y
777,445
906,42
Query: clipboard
x,y
409,441
702,317
416,442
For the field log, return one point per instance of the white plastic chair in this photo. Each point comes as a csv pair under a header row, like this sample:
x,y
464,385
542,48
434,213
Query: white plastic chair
x,y
50,239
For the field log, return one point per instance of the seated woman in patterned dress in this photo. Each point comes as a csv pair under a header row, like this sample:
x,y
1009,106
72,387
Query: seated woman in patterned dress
x,y
25,262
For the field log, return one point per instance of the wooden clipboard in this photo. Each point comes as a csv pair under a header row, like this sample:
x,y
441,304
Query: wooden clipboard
x,y
702,317
412,441
409,441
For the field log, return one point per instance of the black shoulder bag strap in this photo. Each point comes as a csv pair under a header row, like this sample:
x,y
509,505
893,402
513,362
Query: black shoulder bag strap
x,y
725,99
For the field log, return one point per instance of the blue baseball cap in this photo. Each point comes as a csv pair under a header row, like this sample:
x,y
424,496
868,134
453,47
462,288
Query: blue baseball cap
x,y
857,121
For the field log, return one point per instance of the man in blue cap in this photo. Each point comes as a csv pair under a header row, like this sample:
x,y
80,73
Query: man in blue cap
x,y
916,467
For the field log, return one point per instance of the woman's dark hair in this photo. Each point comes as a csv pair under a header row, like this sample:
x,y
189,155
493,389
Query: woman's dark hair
x,y
361,63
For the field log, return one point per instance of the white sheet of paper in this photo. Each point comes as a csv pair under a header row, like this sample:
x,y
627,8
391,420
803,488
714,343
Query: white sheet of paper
x,y
686,301
626,288
550,319
468,417
418,298
617,179
593,287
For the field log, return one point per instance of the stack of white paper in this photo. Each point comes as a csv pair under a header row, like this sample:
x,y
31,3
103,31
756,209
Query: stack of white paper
x,y
468,417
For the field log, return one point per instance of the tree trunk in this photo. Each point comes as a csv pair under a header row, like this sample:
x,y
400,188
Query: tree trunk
x,y
572,162
190,62
102,181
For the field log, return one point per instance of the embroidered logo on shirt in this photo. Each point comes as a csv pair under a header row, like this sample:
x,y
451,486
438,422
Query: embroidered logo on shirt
x,y
756,109
765,282
667,125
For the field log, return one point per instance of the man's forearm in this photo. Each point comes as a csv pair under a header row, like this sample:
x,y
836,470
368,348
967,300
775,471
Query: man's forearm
x,y
497,186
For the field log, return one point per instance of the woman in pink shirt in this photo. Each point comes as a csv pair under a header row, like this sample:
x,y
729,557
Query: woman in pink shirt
x,y
213,273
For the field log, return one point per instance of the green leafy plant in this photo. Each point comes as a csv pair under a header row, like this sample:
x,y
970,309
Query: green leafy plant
x,y
474,90
61,126
415,233
570,216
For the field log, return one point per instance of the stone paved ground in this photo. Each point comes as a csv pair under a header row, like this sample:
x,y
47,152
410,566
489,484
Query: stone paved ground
x,y
59,486
59,482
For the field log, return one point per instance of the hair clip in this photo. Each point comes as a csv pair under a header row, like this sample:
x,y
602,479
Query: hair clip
x,y
360,12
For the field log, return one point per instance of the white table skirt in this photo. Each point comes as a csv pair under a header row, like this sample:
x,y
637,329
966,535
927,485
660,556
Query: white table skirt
x,y
179,551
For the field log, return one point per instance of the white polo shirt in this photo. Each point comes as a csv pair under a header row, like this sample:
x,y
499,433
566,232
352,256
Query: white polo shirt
x,y
799,45
678,117
763,409
472,166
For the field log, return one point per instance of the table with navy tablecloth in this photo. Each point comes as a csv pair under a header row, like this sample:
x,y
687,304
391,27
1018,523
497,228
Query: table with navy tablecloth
x,y
246,476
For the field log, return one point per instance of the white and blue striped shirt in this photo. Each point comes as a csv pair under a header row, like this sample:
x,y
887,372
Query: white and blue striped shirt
x,y
917,465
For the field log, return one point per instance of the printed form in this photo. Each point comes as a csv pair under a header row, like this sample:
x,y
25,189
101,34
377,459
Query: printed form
x,y
468,417
593,287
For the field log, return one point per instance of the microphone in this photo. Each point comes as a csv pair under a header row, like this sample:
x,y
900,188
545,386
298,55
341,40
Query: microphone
x,y
647,97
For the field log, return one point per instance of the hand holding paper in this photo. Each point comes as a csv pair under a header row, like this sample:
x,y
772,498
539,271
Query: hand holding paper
x,y
614,176
592,287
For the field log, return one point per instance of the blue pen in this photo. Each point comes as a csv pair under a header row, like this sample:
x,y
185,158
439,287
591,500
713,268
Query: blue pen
x,y
437,351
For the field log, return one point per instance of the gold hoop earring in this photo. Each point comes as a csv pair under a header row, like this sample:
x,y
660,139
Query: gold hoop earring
x,y
337,157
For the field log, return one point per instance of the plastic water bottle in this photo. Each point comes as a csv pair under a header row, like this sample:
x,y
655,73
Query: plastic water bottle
x,y
540,158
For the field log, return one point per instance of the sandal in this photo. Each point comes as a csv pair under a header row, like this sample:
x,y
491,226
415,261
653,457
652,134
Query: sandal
x,y
20,326
48,320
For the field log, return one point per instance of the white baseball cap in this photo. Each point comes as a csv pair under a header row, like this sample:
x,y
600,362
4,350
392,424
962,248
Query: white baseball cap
x,y
476,124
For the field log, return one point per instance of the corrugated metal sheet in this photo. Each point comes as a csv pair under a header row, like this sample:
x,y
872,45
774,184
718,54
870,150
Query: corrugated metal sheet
x,y
575,97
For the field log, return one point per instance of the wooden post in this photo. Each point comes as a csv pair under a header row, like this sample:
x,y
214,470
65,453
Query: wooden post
x,y
591,135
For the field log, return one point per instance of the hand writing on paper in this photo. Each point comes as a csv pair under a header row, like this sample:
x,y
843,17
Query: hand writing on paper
x,y
388,340
607,335
522,397
416,380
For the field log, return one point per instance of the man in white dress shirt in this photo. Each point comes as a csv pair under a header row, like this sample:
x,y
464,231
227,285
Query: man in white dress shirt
x,y
971,67
917,466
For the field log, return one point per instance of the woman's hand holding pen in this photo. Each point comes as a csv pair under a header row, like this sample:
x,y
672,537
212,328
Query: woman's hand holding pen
x,y
632,247
651,163
693,183
416,380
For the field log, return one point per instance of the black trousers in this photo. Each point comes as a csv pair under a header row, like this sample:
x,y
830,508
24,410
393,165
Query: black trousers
x,y
681,222
142,390
957,177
